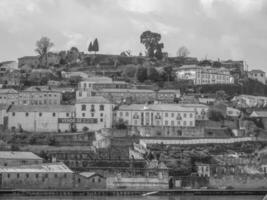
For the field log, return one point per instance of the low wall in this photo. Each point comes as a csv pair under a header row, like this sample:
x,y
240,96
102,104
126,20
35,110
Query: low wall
x,y
239,182
137,183
178,141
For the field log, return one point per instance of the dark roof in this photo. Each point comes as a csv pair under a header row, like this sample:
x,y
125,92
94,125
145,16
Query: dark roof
x,y
93,99
42,108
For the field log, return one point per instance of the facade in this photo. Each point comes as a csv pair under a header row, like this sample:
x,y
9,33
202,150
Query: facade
x,y
40,176
8,66
157,115
201,110
39,96
87,86
249,101
18,158
93,113
138,95
203,170
32,61
41,118
8,96
91,180
204,75
12,79
258,75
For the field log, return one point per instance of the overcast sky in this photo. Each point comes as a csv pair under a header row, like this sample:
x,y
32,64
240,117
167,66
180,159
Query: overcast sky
x,y
225,29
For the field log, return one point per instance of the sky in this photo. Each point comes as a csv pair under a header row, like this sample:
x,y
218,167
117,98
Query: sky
x,y
212,29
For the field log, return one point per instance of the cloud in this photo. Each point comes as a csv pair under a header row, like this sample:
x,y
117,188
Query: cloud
x,y
233,29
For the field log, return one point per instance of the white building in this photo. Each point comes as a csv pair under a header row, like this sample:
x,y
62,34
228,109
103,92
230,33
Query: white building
x,y
93,113
157,115
258,75
9,96
8,66
40,118
249,101
201,75
201,110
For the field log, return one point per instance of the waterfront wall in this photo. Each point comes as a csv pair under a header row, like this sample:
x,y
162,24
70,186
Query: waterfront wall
x,y
137,183
239,182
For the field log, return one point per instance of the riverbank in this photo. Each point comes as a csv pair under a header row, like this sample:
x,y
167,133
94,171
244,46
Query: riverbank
x,y
126,192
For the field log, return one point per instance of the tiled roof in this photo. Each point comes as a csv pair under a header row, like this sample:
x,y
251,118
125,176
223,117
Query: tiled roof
x,y
256,71
98,79
89,174
18,155
259,114
93,99
39,89
157,107
9,91
42,108
194,105
126,90
40,168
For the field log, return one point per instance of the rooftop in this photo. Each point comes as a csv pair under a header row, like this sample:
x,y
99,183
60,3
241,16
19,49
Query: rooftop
x,y
98,79
18,155
256,71
89,174
157,107
40,168
126,90
6,62
259,114
9,91
39,89
93,99
42,108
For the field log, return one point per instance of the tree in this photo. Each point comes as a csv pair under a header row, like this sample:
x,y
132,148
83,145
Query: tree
x,y
158,53
183,52
95,46
215,115
152,74
90,47
151,42
73,55
129,71
42,48
141,74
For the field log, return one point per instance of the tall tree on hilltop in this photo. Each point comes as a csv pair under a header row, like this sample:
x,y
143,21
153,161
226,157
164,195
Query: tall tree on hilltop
x,y
42,48
95,46
151,42
90,47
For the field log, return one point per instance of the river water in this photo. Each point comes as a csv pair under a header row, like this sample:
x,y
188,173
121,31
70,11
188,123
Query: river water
x,y
188,197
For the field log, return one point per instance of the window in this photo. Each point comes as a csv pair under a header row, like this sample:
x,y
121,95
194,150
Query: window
x,y
8,175
18,175
55,175
65,175
92,114
54,114
46,175
27,175
185,115
99,180
13,114
93,180
101,114
83,107
101,120
166,114
26,114
79,180
40,114
101,107
83,114
36,175
92,108
172,115
67,114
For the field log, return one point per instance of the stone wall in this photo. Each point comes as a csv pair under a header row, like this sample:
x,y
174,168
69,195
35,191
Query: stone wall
x,y
244,181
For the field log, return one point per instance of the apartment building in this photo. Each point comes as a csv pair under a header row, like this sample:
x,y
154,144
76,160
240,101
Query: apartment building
x,y
157,115
257,75
41,118
93,113
204,75
9,96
